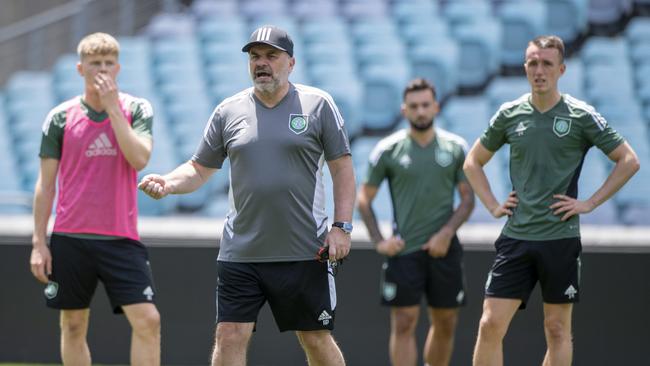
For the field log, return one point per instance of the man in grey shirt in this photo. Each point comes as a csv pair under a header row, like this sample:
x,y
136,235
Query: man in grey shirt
x,y
278,136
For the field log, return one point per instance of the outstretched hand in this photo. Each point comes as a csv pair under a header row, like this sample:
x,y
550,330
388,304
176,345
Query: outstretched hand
x,y
154,186
507,206
569,206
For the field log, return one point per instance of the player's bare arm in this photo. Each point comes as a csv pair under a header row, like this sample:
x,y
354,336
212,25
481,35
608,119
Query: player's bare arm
x,y
41,260
390,246
136,149
627,164
186,178
439,243
342,172
477,157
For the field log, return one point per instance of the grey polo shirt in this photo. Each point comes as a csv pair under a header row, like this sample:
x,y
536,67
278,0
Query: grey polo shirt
x,y
277,197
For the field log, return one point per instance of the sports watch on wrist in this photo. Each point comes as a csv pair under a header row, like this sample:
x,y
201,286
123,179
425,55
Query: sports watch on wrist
x,y
343,225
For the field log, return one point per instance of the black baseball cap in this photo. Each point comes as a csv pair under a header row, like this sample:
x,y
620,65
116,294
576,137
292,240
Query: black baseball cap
x,y
273,36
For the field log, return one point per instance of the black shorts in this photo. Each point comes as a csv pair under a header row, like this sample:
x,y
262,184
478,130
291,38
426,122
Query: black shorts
x,y
405,278
302,295
519,264
77,264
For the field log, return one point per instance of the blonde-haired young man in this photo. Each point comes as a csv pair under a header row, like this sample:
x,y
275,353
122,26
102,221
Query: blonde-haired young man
x,y
94,144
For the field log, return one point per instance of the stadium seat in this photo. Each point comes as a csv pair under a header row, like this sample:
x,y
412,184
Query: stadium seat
x,y
223,29
177,91
643,85
224,53
601,89
521,22
386,53
354,10
499,178
404,12
604,50
181,50
621,112
567,18
506,89
210,9
459,13
66,80
134,51
467,117
347,96
423,30
28,87
638,31
361,149
572,82
634,198
8,166
65,69
172,73
382,204
382,95
479,57
219,205
223,90
608,12
27,126
438,64
640,54
256,8
374,30
163,160
307,10
318,53
185,117
228,73
168,25
325,29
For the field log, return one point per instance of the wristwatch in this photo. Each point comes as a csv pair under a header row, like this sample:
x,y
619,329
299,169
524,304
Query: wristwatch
x,y
343,225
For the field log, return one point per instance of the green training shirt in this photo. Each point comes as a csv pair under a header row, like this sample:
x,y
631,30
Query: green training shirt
x,y
546,155
422,181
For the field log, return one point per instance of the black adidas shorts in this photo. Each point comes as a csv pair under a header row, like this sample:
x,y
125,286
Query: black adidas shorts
x,y
405,278
519,264
77,264
302,295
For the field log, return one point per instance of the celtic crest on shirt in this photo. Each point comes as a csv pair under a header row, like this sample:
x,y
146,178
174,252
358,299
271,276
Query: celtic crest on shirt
x,y
561,126
298,123
444,157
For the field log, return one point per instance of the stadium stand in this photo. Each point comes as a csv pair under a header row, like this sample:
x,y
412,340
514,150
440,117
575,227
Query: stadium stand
x,y
362,52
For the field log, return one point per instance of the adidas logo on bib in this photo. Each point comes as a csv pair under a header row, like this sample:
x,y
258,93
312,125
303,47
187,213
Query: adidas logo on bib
x,y
101,147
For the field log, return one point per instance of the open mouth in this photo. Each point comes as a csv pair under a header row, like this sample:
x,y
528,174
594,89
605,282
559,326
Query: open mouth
x,y
262,74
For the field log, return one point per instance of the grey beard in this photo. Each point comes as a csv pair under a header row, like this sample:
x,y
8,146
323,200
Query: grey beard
x,y
266,87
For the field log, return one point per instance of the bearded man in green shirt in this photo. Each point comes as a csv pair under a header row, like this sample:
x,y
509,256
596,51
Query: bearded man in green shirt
x,y
549,134
423,166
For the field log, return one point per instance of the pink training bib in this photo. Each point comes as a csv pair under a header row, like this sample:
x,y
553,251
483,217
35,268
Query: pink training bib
x,y
97,186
